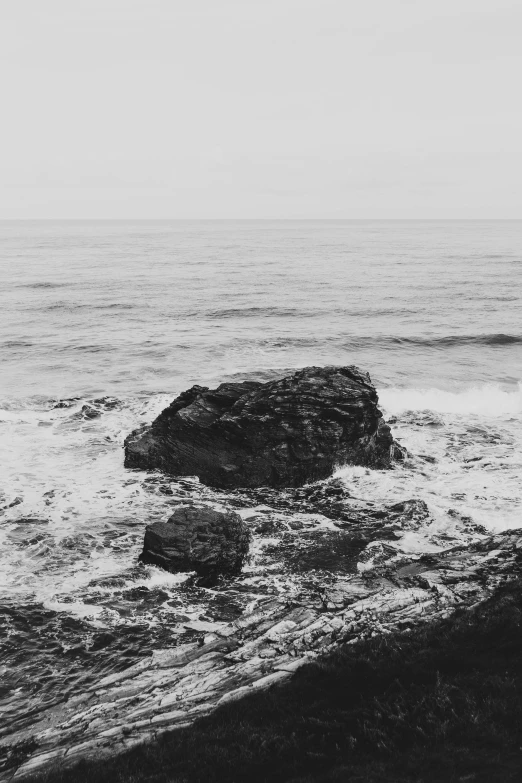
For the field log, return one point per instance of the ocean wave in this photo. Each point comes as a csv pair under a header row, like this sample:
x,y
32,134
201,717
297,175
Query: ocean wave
x,y
478,256
275,311
88,348
265,312
392,342
43,284
438,342
488,400
17,344
470,339
64,305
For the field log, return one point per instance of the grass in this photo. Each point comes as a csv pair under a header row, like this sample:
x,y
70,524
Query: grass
x,y
442,703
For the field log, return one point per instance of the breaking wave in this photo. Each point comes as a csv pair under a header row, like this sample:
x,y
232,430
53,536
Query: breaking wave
x,y
487,400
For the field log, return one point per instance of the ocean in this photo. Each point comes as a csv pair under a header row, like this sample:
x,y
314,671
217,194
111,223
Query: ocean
x,y
103,323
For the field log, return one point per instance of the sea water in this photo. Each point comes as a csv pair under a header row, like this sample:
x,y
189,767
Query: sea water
x,y
102,324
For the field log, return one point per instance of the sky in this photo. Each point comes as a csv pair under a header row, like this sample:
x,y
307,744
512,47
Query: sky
x,y
260,109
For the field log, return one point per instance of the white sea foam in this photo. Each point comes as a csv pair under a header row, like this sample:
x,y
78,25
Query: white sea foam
x,y
487,400
69,511
465,459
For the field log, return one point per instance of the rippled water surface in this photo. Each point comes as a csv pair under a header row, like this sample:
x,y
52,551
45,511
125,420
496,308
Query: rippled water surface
x,y
102,324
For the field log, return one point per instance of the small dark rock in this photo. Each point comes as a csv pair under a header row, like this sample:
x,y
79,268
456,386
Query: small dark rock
x,y
107,403
198,538
269,526
67,403
87,412
428,458
414,509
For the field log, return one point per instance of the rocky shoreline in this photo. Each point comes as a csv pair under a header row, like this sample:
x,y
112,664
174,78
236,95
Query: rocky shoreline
x,y
175,686
326,568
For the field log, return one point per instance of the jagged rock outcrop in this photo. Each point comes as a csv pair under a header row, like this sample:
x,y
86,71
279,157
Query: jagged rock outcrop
x,y
198,538
283,433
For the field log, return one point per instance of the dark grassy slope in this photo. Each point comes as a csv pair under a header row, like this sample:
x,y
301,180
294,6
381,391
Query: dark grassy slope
x,y
443,703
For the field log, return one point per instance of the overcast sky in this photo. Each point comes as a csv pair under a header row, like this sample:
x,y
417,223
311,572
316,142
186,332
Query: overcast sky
x,y
261,108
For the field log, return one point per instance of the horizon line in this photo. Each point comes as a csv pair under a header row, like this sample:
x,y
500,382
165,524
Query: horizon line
x,y
257,219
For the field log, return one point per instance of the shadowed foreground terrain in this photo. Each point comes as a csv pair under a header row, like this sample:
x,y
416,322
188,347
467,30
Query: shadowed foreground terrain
x,y
440,703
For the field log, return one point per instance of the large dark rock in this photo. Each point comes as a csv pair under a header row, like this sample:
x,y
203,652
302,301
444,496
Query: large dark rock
x,y
282,433
198,538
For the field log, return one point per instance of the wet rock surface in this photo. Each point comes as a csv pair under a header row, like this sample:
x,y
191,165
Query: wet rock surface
x,y
284,433
198,538
262,625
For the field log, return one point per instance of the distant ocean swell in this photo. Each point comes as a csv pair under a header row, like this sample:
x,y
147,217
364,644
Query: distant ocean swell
x,y
236,342
390,342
